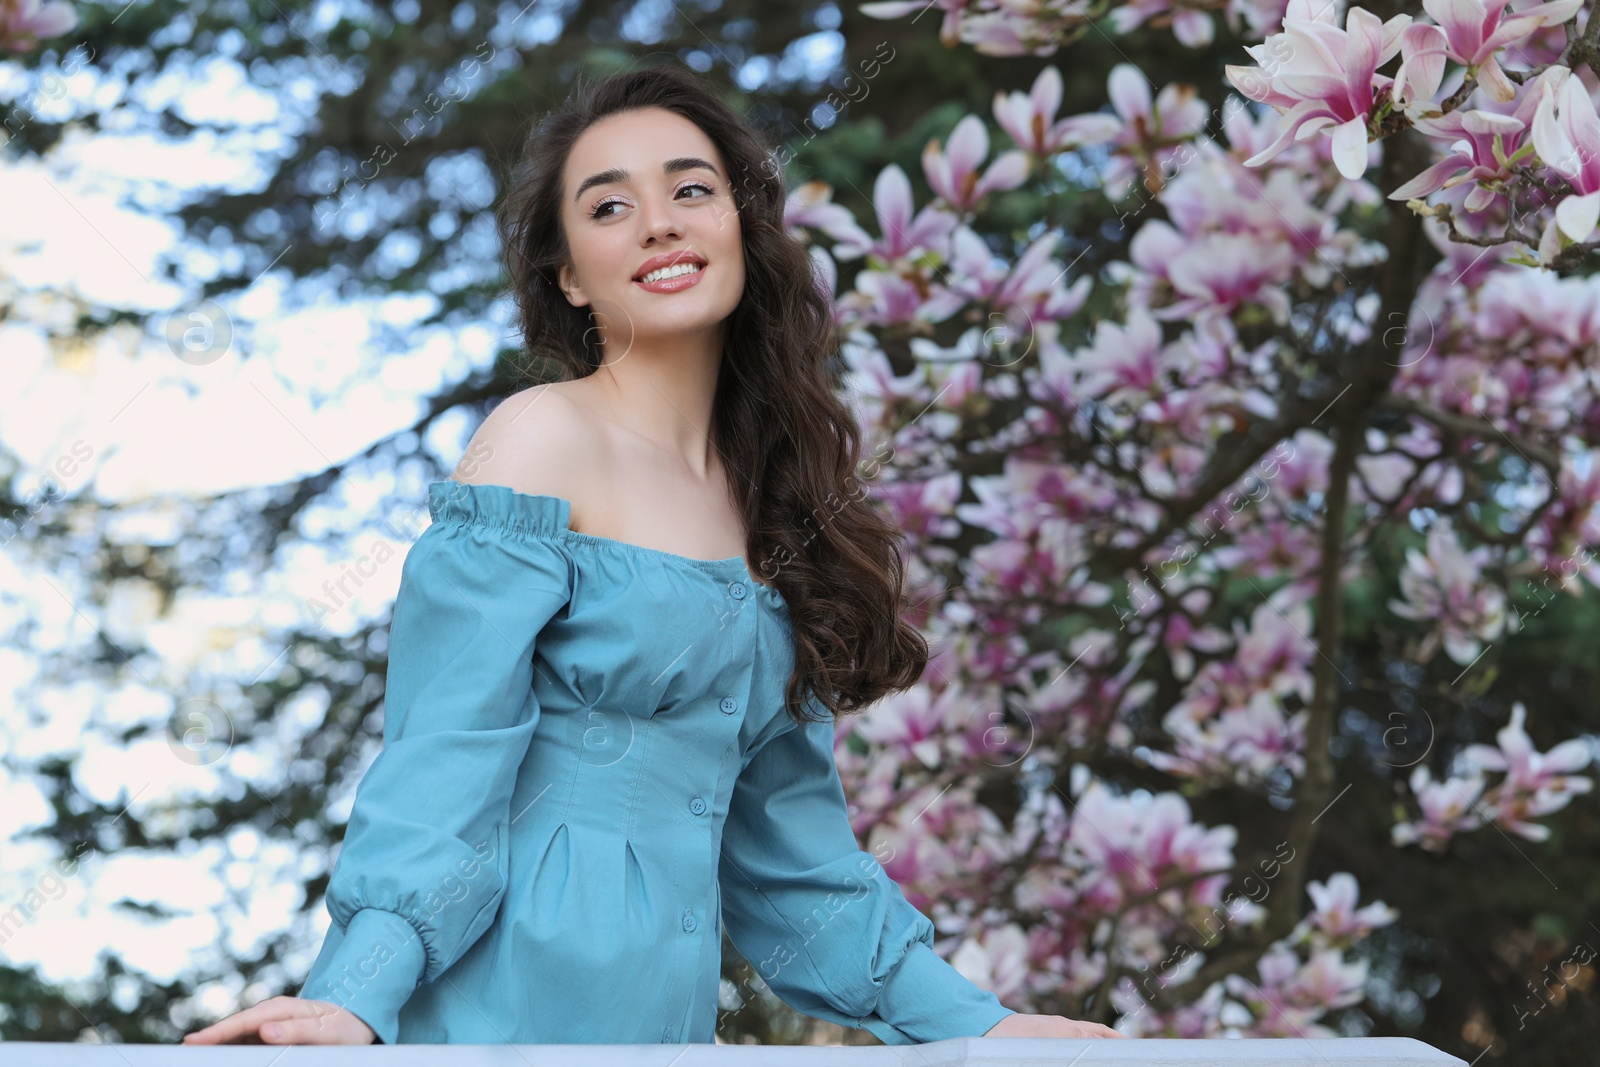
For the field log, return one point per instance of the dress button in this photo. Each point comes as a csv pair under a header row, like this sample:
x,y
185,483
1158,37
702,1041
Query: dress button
x,y
697,806
688,919
736,589
666,1033
729,705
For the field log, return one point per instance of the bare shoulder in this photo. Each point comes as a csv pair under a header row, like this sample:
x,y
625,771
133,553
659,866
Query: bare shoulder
x,y
537,441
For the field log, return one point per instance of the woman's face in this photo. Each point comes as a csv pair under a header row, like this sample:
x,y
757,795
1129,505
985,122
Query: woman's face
x,y
649,203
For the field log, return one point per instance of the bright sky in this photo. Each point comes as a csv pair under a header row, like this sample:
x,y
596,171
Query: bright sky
x,y
122,417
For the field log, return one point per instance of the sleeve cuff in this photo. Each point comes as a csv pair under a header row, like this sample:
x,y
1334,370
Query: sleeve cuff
x,y
370,969
926,999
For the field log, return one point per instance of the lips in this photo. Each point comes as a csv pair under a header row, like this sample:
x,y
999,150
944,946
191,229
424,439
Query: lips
x,y
668,259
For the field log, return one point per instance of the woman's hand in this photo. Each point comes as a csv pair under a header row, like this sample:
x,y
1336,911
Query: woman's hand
x,y
286,1021
1019,1025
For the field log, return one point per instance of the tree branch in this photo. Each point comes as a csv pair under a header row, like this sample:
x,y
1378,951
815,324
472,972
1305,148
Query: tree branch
x,y
1371,375
1466,424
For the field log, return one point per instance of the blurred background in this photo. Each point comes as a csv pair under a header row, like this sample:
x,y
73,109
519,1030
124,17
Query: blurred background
x,y
251,304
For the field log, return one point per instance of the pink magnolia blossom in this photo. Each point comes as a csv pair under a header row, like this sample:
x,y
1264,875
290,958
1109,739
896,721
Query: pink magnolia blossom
x,y
1030,118
1016,503
1328,980
1444,585
1016,28
903,234
1007,30
1150,133
1476,30
1201,1018
1535,783
951,383
953,173
913,723
1212,274
996,961
923,508
1328,80
1231,722
1124,361
1271,549
1448,807
1214,192
1240,743
1336,917
1141,841
24,22
1566,134
1263,17
889,297
1576,511
1423,50
1483,144
1182,639
1275,651
811,204
873,383
949,26
1292,994
1031,294
977,273
1191,26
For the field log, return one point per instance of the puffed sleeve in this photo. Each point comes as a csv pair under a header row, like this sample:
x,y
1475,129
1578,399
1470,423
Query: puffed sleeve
x,y
423,866
819,918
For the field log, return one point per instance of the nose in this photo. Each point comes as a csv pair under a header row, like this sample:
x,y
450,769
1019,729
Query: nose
x,y
656,220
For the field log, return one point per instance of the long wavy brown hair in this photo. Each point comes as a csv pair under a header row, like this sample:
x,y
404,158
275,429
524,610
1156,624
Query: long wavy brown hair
x,y
777,420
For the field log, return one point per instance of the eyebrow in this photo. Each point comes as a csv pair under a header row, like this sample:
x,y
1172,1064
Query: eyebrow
x,y
620,174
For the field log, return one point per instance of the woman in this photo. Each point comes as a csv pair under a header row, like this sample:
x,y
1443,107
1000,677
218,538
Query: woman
x,y
605,736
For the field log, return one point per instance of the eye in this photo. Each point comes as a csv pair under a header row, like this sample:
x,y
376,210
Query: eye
x,y
594,212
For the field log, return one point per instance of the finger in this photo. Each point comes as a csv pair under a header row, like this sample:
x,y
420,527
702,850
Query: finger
x,y
240,1024
315,1023
221,1037
228,1029
285,1032
221,1032
313,1030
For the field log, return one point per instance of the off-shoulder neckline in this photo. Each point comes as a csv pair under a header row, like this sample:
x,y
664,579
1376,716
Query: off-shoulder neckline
x,y
531,509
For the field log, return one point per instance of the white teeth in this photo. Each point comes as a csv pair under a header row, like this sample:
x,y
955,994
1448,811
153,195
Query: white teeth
x,y
670,272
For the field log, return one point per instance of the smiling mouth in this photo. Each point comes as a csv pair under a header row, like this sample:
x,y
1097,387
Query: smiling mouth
x,y
677,270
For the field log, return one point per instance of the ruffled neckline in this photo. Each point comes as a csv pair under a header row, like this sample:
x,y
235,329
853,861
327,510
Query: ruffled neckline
x,y
542,515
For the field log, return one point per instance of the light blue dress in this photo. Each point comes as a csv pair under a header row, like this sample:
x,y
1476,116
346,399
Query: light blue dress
x,y
587,770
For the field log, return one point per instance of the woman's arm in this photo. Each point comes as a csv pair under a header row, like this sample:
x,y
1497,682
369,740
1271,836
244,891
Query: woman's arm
x,y
423,866
820,919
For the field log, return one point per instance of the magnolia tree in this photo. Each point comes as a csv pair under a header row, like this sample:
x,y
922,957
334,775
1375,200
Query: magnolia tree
x,y
1170,507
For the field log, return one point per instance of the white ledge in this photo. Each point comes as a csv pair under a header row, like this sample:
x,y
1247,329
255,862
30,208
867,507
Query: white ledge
x,y
957,1052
